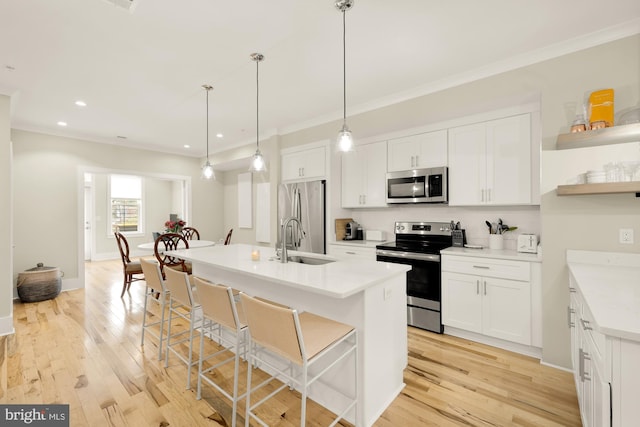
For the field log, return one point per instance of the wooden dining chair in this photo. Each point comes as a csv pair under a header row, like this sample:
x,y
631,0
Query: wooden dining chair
x,y
190,233
129,268
171,242
227,241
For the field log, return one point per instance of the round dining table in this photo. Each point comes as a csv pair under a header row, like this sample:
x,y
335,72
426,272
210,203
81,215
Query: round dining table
x,y
192,244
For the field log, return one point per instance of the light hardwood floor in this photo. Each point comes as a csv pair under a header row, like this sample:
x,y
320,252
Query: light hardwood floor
x,y
83,348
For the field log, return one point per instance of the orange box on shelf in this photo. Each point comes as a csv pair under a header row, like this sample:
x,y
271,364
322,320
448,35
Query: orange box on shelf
x,y
601,107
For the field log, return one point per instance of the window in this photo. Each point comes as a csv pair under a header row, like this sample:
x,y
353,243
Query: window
x,y
126,203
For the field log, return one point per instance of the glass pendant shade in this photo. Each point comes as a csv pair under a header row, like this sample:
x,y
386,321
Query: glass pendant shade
x,y
207,171
257,163
345,139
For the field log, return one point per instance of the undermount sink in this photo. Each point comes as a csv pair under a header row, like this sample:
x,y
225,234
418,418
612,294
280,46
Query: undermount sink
x,y
308,260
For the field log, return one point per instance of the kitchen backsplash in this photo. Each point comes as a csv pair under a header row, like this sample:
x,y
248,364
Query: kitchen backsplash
x,y
472,219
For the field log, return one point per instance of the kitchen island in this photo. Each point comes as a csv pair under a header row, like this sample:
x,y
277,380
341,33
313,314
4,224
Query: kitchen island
x,y
368,295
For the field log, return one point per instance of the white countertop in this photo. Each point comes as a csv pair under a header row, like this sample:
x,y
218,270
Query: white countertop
x,y
492,253
610,285
339,279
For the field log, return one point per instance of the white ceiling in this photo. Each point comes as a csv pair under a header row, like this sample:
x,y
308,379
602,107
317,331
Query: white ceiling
x,y
141,72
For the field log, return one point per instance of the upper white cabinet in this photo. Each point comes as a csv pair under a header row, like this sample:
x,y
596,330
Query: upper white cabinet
x,y
304,164
490,162
425,150
364,176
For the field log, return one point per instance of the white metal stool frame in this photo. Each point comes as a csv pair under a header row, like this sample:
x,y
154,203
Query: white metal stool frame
x,y
156,290
220,314
182,303
288,379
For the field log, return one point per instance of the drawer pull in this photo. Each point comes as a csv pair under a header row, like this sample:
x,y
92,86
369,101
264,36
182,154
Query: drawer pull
x,y
572,290
585,325
478,287
485,267
350,253
570,312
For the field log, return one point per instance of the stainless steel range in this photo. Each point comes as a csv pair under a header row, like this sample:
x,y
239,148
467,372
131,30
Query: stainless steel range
x,y
418,244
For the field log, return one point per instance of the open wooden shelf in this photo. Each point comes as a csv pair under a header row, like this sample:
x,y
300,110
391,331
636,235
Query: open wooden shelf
x,y
603,188
592,138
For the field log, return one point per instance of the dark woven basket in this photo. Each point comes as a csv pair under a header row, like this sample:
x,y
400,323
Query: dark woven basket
x,y
39,283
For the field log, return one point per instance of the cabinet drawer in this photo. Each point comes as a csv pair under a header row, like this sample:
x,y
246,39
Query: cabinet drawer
x,y
344,252
595,342
490,267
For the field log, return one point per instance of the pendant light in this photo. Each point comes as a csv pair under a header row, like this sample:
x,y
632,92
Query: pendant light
x,y
345,139
257,162
207,170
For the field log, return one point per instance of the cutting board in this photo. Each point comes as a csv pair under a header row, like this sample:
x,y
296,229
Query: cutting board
x,y
341,227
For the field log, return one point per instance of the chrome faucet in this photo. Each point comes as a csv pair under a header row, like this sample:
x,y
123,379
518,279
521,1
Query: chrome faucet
x,y
283,236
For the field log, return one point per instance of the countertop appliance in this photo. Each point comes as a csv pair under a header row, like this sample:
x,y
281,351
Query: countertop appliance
x,y
430,185
305,201
418,244
353,231
528,243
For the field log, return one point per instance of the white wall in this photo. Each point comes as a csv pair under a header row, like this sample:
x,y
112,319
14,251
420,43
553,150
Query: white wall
x,y
48,224
6,217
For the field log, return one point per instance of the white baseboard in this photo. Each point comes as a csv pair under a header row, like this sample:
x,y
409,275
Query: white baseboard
x,y
551,365
527,350
6,326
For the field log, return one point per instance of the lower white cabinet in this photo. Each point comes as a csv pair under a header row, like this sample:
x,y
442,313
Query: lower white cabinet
x,y
591,355
488,296
345,252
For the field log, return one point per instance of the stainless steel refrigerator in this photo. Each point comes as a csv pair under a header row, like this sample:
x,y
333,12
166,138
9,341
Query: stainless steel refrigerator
x,y
305,201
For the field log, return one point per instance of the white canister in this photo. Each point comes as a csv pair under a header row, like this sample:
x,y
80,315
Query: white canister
x,y
496,241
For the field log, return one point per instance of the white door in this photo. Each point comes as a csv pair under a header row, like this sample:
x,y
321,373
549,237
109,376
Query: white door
x,y
375,178
461,301
88,221
509,160
467,165
506,309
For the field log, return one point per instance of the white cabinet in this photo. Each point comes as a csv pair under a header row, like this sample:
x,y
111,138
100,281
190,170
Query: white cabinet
x,y
488,296
351,252
304,164
591,355
490,162
364,176
425,150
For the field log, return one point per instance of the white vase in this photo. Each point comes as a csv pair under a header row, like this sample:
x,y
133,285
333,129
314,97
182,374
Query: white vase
x,y
496,241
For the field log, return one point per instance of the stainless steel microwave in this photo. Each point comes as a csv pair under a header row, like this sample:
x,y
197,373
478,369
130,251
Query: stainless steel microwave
x,y
418,186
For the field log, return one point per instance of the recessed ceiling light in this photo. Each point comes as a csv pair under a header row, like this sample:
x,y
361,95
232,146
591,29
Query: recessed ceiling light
x,y
80,103
62,123
219,135
186,146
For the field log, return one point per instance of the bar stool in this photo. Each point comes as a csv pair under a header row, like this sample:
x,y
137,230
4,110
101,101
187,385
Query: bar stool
x,y
156,291
302,340
182,305
220,315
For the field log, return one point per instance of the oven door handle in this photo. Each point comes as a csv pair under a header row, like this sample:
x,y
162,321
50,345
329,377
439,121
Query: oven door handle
x,y
408,255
